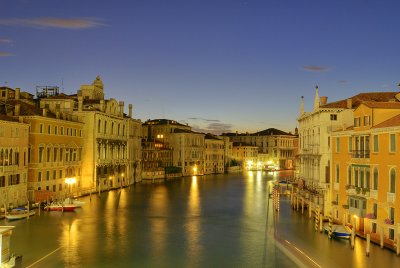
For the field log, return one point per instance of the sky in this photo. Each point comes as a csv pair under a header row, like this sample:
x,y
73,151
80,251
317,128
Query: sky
x,y
217,65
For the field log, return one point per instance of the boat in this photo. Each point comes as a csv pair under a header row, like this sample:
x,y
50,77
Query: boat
x,y
339,231
76,202
19,213
60,207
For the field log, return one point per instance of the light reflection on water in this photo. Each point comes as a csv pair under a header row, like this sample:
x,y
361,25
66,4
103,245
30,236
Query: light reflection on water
x,y
203,221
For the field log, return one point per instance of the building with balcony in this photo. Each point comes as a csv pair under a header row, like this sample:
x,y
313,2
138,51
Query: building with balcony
x,y
315,148
13,161
365,168
246,155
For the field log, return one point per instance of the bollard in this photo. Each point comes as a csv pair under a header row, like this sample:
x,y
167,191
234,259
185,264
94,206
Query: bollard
x,y
381,240
277,202
330,226
321,218
316,220
368,244
309,210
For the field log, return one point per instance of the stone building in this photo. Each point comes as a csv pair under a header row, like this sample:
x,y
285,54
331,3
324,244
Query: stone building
x,y
214,154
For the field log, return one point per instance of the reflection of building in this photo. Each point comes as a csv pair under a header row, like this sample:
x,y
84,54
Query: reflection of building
x,y
278,147
13,161
214,154
365,170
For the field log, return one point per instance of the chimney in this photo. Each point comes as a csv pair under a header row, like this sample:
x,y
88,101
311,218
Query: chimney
x,y
349,103
17,109
102,105
323,100
17,93
80,103
130,110
121,108
44,112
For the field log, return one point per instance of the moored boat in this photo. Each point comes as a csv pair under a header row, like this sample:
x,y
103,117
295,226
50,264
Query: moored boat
x,y
339,231
19,213
76,202
60,207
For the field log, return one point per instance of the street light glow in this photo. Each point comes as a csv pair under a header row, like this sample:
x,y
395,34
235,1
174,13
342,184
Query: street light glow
x,y
70,181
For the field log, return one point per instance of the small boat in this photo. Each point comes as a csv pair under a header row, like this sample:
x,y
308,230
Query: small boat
x,y
19,213
60,207
76,202
339,231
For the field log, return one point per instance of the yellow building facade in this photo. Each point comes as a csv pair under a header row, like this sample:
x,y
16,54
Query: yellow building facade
x,y
365,182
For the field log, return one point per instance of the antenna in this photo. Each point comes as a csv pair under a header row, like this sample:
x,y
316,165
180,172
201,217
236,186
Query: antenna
x,y
62,85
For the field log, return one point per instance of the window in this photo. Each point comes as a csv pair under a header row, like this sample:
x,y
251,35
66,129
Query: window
x,y
39,176
41,149
337,144
376,144
356,177
337,172
55,130
41,128
54,174
392,143
62,131
333,117
367,177
391,214
47,175
350,144
348,175
48,129
375,185
362,178
392,186
357,121
391,234
366,120
48,154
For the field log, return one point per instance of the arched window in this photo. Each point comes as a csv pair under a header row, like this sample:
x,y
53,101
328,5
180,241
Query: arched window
x,y
98,126
375,185
392,185
1,157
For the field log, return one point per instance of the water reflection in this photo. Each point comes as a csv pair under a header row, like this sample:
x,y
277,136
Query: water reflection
x,y
70,243
158,211
193,225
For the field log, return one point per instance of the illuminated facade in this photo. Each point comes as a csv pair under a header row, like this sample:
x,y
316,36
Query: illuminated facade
x,y
365,169
245,154
214,154
278,148
13,161
315,129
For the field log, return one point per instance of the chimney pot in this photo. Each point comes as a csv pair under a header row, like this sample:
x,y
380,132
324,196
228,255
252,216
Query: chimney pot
x,y
349,103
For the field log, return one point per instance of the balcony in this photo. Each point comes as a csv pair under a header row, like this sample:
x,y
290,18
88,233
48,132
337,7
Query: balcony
x,y
350,190
391,197
360,153
12,168
336,186
374,194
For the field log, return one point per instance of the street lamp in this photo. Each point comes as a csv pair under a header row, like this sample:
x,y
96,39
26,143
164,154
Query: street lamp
x,y
70,181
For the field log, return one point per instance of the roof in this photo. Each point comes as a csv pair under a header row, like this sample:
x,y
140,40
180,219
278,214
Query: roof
x,y
210,136
266,132
242,144
28,109
392,122
384,105
362,97
179,130
61,96
8,118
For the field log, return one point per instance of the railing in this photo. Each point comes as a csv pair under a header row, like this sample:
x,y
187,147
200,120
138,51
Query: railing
x,y
374,194
360,153
391,197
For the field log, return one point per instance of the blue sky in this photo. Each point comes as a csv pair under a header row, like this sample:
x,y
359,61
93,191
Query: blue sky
x,y
217,65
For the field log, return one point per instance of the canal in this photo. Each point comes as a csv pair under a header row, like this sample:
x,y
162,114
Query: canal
x,y
209,221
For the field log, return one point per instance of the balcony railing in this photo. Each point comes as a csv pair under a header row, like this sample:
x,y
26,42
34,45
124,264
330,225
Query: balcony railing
x,y
374,194
360,153
391,197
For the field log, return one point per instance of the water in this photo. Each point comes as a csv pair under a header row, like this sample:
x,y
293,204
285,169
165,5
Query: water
x,y
210,221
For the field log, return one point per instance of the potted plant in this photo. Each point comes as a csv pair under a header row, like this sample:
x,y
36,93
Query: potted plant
x,y
388,221
370,216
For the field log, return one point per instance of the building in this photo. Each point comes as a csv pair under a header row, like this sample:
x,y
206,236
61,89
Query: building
x,y
365,161
279,148
13,162
246,155
214,153
55,147
315,129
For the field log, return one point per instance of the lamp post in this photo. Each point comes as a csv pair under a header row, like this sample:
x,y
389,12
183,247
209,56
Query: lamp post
x,y
70,181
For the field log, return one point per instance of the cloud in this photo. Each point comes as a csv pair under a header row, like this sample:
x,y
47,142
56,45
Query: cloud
x,y
315,68
6,41
214,128
203,119
6,54
45,23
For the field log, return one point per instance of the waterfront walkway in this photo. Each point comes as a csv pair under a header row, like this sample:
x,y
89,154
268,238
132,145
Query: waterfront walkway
x,y
295,234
